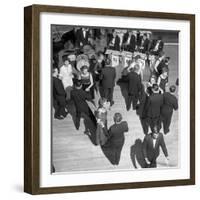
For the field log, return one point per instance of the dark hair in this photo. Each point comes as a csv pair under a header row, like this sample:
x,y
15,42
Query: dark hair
x,y
172,88
65,57
77,83
155,87
84,67
117,117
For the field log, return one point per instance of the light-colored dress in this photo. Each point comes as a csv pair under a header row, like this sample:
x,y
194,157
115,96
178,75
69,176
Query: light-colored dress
x,y
66,76
101,132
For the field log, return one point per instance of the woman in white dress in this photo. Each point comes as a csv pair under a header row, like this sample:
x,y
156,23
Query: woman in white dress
x,y
66,74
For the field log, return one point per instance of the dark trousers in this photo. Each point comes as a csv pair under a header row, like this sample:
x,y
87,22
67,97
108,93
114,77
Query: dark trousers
x,y
132,100
108,94
166,120
145,125
86,115
59,106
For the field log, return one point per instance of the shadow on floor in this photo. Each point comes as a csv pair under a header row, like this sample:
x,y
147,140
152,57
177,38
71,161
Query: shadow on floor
x,y
90,127
136,155
113,151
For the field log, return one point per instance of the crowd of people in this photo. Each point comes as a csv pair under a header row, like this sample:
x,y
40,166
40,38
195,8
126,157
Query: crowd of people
x,y
83,71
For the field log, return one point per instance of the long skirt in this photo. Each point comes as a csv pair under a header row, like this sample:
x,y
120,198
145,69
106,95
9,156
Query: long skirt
x,y
101,135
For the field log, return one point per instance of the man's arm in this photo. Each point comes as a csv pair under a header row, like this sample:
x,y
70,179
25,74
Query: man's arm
x,y
163,146
144,147
175,104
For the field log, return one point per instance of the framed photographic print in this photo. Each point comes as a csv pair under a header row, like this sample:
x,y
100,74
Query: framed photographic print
x,y
109,99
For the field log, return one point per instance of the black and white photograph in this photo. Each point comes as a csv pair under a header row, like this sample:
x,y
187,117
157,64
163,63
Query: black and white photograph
x,y
114,99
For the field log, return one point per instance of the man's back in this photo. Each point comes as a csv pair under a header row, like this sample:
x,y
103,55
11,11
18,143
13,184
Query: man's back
x,y
154,105
58,88
79,97
108,77
117,131
134,83
170,102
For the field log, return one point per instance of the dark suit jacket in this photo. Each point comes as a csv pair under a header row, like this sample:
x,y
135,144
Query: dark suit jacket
x,y
155,103
79,98
134,84
108,75
58,91
80,37
152,152
145,46
116,44
170,104
132,42
116,133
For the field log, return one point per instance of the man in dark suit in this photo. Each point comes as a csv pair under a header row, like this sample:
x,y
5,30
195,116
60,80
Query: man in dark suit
x,y
114,42
170,104
158,47
151,148
142,110
144,46
155,103
129,42
79,98
107,77
82,36
134,87
59,96
116,137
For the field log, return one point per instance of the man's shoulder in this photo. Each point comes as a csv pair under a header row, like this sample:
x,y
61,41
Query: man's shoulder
x,y
148,136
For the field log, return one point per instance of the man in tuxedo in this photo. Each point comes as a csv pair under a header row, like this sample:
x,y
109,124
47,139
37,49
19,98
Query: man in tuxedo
x,y
158,46
151,148
82,36
129,41
107,77
114,42
79,97
134,87
144,46
170,104
154,106
116,137
59,96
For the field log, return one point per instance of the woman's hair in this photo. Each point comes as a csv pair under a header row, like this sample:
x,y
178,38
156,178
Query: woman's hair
x,y
84,67
117,117
102,101
65,58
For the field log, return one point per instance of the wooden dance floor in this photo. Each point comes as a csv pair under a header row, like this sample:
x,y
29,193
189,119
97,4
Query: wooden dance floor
x,y
73,151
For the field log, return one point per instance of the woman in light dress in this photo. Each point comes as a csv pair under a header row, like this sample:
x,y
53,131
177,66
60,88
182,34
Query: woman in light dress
x,y
101,116
66,74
